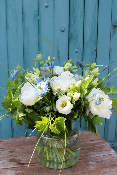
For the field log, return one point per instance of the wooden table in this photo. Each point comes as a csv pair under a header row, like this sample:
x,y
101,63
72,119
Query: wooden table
x,y
97,157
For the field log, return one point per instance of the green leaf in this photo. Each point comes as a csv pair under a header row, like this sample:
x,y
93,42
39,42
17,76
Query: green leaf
x,y
7,104
18,117
76,114
16,95
106,89
96,120
113,90
9,84
100,84
42,125
29,110
58,125
89,81
53,103
91,116
17,103
92,121
114,103
110,90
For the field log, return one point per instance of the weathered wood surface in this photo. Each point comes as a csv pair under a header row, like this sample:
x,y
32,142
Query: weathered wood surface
x,y
97,157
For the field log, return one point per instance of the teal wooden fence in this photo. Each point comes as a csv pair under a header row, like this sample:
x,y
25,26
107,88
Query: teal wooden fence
x,y
84,30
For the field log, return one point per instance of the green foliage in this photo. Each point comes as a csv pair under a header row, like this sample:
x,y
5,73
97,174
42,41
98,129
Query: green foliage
x,y
7,104
42,125
58,126
88,81
114,103
44,114
113,90
92,121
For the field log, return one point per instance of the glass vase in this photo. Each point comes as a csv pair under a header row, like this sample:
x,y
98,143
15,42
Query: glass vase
x,y
52,152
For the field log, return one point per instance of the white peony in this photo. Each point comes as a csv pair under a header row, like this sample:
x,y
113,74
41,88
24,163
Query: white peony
x,y
28,95
67,73
62,82
99,103
57,70
63,105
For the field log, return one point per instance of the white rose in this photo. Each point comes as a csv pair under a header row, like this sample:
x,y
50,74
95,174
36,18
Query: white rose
x,y
62,82
67,73
76,96
57,70
63,105
28,95
99,103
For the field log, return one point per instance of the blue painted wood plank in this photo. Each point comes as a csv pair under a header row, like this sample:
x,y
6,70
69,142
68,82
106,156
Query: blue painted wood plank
x,y
5,123
112,126
61,29
104,23
30,32
52,18
46,25
62,23
76,16
30,35
90,31
89,35
15,46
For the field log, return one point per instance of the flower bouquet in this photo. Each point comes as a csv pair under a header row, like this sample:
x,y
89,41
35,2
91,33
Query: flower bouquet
x,y
51,99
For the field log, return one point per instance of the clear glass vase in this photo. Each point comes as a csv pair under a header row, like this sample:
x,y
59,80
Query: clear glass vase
x,y
51,151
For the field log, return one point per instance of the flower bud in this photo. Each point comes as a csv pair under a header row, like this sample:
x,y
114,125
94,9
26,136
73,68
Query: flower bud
x,y
78,83
76,96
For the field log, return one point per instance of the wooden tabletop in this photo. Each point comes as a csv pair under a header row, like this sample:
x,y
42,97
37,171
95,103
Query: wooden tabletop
x,y
97,157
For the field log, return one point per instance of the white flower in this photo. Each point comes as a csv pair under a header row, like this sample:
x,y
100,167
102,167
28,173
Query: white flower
x,y
34,77
95,81
39,56
99,103
86,78
28,95
41,88
67,73
57,70
62,82
95,71
78,83
67,66
63,105
76,96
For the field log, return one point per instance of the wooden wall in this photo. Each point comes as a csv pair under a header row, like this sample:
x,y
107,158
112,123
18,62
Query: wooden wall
x,y
83,30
